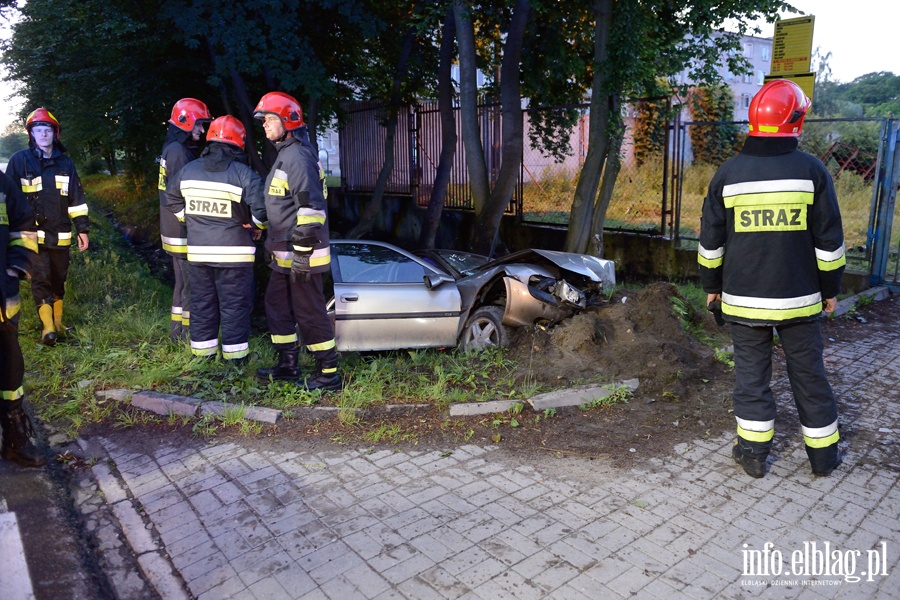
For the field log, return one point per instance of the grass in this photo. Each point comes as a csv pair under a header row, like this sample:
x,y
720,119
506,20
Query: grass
x,y
121,311
636,203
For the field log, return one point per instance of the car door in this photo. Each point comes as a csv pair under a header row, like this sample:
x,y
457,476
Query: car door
x,y
381,300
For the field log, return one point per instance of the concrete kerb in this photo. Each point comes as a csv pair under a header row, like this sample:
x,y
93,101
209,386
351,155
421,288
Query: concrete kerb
x,y
168,404
849,304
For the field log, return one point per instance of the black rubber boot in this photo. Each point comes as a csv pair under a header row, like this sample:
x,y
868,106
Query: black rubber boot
x,y
753,466
17,431
325,378
287,368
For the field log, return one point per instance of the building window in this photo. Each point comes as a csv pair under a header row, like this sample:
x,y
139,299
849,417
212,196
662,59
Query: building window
x,y
764,52
745,100
760,77
748,50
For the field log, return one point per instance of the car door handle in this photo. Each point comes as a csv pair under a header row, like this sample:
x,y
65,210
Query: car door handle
x,y
349,297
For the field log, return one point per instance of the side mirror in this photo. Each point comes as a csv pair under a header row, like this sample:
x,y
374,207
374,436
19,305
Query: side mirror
x,y
433,280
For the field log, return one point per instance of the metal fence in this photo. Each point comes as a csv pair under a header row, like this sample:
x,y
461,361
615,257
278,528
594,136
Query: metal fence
x,y
362,150
660,195
850,149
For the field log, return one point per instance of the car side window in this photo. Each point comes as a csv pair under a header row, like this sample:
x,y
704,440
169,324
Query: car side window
x,y
364,263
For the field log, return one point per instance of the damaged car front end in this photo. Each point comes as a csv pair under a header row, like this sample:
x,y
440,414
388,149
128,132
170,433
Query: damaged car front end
x,y
541,286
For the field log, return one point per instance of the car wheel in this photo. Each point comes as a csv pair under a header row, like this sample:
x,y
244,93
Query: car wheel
x,y
484,329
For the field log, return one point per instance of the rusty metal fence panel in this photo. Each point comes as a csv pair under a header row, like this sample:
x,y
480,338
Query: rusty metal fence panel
x,y
362,145
427,140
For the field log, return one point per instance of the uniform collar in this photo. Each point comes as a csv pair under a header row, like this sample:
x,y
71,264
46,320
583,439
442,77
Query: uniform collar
x,y
769,146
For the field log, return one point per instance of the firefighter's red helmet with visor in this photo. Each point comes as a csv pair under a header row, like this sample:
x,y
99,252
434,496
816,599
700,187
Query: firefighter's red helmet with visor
x,y
42,116
188,111
228,130
778,110
286,107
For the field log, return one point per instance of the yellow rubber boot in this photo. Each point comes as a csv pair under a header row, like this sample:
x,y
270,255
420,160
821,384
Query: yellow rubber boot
x,y
61,330
48,332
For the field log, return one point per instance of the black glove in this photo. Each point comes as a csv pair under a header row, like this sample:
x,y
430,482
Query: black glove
x,y
715,307
300,266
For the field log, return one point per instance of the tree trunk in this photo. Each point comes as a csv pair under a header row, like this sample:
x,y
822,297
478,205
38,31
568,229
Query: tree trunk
x,y
311,117
610,174
373,206
479,182
245,112
488,220
448,135
581,217
110,159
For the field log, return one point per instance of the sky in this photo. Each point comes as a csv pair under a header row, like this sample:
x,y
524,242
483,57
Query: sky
x,y
859,35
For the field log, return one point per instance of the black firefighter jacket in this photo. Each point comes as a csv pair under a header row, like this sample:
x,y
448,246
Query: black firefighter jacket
x,y
175,154
54,192
18,245
216,195
771,239
295,196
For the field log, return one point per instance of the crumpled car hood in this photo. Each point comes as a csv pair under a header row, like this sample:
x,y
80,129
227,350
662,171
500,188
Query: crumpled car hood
x,y
595,269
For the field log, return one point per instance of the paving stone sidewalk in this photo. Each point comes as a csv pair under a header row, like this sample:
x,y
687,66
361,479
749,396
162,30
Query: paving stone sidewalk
x,y
227,521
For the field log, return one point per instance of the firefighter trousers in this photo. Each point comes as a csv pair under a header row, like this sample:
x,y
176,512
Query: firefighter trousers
x,y
293,306
12,364
754,403
181,301
221,297
50,268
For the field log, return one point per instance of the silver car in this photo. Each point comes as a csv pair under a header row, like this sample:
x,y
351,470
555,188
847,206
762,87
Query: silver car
x,y
386,298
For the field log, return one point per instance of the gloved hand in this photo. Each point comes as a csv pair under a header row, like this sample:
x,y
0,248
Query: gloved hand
x,y
300,265
715,307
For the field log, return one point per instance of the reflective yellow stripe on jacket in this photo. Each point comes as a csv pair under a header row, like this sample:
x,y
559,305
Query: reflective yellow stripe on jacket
x,y
772,309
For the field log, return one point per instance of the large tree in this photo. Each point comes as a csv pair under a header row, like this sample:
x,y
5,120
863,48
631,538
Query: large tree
x,y
490,202
635,43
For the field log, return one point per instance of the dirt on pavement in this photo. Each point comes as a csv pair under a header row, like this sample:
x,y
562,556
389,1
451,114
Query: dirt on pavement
x,y
684,391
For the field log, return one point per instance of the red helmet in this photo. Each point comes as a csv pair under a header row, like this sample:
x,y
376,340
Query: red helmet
x,y
42,116
778,110
227,129
286,107
187,111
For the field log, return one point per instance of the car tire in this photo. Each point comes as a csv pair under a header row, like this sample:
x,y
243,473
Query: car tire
x,y
484,329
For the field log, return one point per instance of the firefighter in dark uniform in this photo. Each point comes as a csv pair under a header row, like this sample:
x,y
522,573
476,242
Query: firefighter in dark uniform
x,y
50,182
18,248
772,256
298,245
220,199
189,116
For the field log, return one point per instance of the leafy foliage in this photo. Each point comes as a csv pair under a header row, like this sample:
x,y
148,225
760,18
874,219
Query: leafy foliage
x,y
713,144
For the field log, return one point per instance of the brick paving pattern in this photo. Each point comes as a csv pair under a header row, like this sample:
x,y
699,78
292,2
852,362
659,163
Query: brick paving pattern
x,y
477,523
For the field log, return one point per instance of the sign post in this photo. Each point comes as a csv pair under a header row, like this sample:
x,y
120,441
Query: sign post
x,y
792,52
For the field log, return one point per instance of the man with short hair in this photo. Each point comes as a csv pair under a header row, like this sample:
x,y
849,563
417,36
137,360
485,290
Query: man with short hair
x,y
771,256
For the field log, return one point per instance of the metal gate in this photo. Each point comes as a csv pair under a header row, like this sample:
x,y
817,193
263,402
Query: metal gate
x,y
862,156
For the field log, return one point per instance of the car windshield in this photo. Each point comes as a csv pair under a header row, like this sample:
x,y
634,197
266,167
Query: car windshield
x,y
464,262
